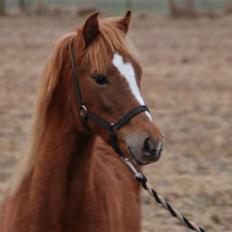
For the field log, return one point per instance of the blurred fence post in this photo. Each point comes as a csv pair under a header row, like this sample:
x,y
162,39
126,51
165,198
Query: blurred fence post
x,y
39,8
186,10
22,5
2,7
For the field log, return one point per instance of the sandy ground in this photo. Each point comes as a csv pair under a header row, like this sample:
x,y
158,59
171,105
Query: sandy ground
x,y
187,82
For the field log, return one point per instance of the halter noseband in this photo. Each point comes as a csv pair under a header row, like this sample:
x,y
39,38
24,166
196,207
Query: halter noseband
x,y
86,115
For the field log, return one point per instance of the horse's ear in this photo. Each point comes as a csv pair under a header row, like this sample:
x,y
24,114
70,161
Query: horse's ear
x,y
124,22
90,28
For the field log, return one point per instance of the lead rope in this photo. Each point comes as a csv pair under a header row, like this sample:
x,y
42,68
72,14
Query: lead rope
x,y
159,199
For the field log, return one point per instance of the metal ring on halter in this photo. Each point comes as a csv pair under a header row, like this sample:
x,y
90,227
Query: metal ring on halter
x,y
83,111
112,127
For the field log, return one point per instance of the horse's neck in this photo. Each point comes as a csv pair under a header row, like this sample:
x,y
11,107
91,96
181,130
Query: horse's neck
x,y
64,158
60,166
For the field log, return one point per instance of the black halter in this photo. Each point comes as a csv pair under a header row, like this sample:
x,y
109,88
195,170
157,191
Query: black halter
x,y
86,115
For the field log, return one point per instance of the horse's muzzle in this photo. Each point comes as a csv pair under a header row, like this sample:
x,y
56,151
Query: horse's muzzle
x,y
147,152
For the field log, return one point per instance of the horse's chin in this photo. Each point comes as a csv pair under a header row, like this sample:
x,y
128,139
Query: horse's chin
x,y
136,158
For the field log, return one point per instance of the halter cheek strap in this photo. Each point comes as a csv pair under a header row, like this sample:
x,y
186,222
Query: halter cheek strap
x,y
86,115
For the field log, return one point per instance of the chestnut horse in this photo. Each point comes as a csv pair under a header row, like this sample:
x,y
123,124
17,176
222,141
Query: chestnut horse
x,y
72,180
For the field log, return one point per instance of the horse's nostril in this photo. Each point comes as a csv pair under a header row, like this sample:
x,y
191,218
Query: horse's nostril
x,y
152,149
149,147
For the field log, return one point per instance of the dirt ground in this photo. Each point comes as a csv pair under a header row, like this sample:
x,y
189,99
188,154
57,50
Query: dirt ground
x,y
187,83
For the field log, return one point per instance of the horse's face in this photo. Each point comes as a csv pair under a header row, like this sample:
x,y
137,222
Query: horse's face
x,y
114,92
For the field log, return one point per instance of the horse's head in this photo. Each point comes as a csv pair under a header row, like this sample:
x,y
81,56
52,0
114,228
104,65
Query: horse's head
x,y
109,76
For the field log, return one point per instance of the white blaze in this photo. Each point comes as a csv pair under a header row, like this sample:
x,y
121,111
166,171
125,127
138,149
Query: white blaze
x,y
127,71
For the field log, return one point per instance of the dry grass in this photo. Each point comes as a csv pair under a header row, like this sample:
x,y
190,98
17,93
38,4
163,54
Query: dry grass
x,y
187,82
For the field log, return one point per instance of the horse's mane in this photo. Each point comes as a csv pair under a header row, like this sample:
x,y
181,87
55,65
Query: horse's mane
x,y
98,54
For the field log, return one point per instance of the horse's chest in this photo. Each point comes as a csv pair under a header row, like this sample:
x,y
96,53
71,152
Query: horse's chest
x,y
104,211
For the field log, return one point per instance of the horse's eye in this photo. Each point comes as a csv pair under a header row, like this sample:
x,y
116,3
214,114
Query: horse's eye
x,y
101,79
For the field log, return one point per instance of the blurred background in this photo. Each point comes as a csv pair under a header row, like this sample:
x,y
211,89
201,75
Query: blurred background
x,y
186,55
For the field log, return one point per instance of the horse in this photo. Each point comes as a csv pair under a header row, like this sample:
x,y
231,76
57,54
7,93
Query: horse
x,y
72,178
